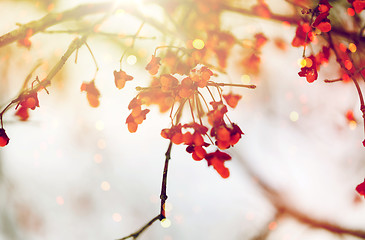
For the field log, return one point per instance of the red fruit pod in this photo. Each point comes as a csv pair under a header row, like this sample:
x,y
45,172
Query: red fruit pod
x,y
199,153
177,138
153,66
217,160
4,139
361,188
30,101
120,78
232,99
358,5
92,93
22,113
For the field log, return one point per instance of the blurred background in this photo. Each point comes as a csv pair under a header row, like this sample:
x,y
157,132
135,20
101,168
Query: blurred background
x,y
75,172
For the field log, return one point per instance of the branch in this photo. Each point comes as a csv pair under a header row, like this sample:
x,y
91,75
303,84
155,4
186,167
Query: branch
x,y
283,208
163,198
105,34
314,223
293,20
75,44
52,19
136,234
76,13
163,195
251,86
339,60
248,12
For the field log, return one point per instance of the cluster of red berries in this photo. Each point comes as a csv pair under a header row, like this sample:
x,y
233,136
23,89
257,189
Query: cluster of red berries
x,y
166,90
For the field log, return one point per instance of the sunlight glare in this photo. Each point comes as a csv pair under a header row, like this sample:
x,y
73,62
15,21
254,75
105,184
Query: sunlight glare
x,y
165,223
131,59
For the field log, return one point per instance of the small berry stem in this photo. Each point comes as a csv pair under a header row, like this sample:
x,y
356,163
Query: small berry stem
x,y
206,104
134,37
251,86
191,110
94,59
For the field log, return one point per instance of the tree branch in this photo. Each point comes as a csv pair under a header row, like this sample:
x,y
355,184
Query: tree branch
x,y
136,234
163,198
293,20
52,19
351,75
163,195
75,44
285,209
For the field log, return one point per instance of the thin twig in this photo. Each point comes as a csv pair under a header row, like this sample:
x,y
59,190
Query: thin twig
x,y
94,59
163,198
29,76
136,234
333,80
163,195
251,86
131,46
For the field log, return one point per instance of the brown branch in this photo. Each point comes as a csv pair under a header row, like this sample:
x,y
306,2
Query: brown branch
x,y
137,233
315,223
163,198
251,86
333,80
283,208
52,19
163,195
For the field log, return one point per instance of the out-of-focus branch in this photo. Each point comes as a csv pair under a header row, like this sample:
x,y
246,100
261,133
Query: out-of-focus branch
x,y
52,19
293,20
105,34
76,13
285,210
248,12
342,64
319,224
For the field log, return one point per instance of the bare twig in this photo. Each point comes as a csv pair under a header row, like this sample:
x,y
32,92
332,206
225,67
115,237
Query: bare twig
x,y
94,59
137,233
163,198
163,195
333,80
